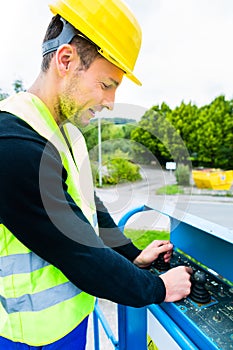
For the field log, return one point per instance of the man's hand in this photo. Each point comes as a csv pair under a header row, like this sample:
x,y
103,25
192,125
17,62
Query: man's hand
x,y
152,251
177,283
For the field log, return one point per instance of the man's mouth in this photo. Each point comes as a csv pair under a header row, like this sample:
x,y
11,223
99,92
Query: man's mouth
x,y
92,112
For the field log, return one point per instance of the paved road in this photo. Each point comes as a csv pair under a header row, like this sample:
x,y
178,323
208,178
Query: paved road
x,y
122,198
220,212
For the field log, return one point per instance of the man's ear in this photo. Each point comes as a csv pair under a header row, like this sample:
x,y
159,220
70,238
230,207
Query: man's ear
x,y
64,58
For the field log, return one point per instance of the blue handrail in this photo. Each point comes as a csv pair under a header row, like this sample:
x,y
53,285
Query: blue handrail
x,y
172,328
122,222
99,316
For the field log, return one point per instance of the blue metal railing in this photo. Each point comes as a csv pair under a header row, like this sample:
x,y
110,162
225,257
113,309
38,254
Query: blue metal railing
x,y
98,316
172,328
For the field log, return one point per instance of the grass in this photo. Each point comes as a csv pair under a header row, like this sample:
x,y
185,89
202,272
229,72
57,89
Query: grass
x,y
170,189
141,238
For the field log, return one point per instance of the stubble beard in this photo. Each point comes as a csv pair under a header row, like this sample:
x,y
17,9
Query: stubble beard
x,y
68,110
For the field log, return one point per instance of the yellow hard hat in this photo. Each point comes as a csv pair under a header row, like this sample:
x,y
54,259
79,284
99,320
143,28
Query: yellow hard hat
x,y
110,25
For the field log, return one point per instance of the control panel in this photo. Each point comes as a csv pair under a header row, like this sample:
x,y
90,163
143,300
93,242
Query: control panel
x,y
207,313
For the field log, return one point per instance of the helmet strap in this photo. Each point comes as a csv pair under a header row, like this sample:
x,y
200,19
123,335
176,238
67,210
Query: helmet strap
x,y
67,34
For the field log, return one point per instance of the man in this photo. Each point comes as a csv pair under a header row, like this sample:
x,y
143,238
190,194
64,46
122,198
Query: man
x,y
59,246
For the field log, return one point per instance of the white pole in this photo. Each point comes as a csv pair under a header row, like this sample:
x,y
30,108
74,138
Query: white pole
x,y
100,153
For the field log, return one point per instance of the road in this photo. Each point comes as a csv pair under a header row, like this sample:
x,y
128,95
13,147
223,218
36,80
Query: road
x,y
220,212
122,198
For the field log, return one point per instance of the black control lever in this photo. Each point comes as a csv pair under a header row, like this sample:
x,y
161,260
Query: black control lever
x,y
160,264
199,293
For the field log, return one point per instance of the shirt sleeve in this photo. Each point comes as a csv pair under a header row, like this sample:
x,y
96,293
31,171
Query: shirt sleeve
x,y
36,207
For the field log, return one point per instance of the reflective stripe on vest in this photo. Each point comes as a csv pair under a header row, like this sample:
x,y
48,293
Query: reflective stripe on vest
x,y
41,300
38,303
25,263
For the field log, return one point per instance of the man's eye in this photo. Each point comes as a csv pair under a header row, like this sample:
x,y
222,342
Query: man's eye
x,y
106,86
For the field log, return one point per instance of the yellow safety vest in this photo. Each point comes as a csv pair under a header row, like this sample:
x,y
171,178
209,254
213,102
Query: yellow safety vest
x,y
39,305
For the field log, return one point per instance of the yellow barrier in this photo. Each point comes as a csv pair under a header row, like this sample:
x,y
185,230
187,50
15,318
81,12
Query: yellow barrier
x,y
214,179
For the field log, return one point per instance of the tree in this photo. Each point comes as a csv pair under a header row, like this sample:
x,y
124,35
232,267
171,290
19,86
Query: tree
x,y
3,95
214,134
18,85
183,119
158,134
188,133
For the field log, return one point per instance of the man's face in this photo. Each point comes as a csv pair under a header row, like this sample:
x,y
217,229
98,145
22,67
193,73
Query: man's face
x,y
88,91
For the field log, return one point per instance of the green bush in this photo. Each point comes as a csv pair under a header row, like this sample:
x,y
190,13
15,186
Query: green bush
x,y
182,175
121,170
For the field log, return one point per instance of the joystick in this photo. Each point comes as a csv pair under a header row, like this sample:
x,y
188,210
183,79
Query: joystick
x,y
199,293
160,264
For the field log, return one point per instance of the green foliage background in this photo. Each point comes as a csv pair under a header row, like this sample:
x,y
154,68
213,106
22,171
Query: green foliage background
x,y
206,132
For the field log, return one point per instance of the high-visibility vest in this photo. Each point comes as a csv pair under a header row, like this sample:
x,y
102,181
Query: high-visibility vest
x,y
39,305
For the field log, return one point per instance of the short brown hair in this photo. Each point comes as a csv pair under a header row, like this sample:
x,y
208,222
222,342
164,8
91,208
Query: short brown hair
x,y
86,50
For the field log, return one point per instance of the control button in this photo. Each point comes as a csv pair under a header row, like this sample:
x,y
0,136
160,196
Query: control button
x,y
217,317
221,291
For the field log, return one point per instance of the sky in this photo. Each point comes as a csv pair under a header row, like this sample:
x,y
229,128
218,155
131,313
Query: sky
x,y
186,53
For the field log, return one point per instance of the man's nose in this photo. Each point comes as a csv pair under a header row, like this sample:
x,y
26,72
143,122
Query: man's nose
x,y
108,100
109,105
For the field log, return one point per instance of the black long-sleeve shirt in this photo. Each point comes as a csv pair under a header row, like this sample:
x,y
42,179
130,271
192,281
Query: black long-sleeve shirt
x,y
101,266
